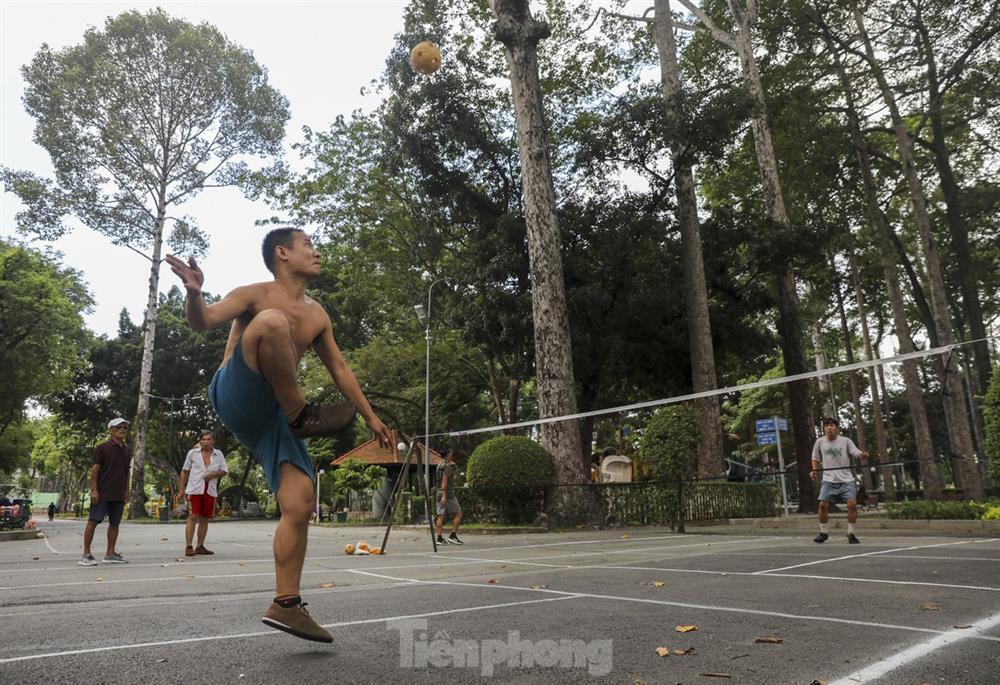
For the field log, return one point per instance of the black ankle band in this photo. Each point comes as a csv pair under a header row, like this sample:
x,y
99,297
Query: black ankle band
x,y
289,602
301,418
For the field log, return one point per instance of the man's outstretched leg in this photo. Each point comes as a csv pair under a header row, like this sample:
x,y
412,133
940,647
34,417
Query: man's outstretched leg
x,y
287,612
268,350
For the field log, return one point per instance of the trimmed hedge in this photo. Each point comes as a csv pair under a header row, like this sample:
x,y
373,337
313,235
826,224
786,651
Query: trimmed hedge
x,y
939,509
509,466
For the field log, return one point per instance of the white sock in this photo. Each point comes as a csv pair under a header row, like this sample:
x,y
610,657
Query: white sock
x,y
823,528
850,528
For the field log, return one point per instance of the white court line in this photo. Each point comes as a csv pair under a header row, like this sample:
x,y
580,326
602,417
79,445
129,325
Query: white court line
x,y
685,605
526,560
917,651
270,560
88,607
872,554
342,624
582,542
796,575
162,579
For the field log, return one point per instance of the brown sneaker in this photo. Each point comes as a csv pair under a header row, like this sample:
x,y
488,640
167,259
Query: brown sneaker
x,y
296,621
200,549
189,551
323,419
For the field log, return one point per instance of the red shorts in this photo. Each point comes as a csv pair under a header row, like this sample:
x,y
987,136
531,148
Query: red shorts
x,y
202,505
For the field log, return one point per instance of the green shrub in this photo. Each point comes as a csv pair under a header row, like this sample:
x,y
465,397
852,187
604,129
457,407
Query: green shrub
x,y
669,443
937,509
991,420
992,514
509,466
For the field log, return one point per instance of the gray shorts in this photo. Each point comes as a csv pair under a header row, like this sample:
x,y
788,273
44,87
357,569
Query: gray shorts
x,y
837,492
451,506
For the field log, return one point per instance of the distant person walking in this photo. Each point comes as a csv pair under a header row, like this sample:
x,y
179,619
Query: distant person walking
x,y
447,502
200,475
108,486
834,452
52,511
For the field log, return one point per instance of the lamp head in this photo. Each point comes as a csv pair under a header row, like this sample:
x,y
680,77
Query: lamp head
x,y
421,312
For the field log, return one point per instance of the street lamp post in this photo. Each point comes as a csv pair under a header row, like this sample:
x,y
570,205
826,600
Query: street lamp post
x,y
318,476
424,316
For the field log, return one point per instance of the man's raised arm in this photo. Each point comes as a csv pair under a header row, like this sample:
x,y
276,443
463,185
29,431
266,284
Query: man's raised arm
x,y
326,349
203,316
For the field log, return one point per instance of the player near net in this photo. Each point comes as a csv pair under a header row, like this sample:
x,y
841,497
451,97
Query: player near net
x,y
832,454
256,394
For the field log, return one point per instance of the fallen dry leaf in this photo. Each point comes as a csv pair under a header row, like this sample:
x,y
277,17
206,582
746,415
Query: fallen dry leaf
x,y
685,629
243,563
663,651
684,652
738,656
710,674
625,536
963,627
657,583
327,584
100,578
930,606
163,539
492,581
179,560
538,587
34,558
161,661
769,640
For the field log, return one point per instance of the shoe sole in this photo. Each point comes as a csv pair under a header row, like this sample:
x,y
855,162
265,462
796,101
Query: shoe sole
x,y
278,625
455,542
112,561
86,563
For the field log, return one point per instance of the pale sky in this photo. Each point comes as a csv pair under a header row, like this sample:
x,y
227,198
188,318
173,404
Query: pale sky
x,y
318,54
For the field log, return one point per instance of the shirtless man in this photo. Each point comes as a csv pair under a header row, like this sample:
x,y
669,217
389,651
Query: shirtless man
x,y
256,394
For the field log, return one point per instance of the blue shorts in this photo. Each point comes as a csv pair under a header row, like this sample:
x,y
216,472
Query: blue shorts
x,y
247,406
113,510
830,492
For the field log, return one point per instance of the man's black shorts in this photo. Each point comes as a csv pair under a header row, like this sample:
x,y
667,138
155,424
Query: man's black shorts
x,y
113,510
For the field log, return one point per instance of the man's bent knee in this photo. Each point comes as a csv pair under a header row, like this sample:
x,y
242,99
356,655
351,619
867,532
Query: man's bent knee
x,y
270,321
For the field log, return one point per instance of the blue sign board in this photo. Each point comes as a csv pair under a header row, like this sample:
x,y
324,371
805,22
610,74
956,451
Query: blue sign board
x,y
765,425
766,438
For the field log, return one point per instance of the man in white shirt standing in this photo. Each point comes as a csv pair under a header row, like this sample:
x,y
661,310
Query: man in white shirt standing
x,y
834,452
200,476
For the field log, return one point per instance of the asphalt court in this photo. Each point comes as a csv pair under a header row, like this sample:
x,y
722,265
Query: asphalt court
x,y
553,608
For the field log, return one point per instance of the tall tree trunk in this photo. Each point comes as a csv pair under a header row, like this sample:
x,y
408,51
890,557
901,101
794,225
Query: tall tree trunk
x,y
710,457
960,435
930,470
520,34
789,326
964,270
136,499
825,386
859,419
887,472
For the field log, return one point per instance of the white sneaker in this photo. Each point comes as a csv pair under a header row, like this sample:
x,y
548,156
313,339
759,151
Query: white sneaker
x,y
87,560
114,558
